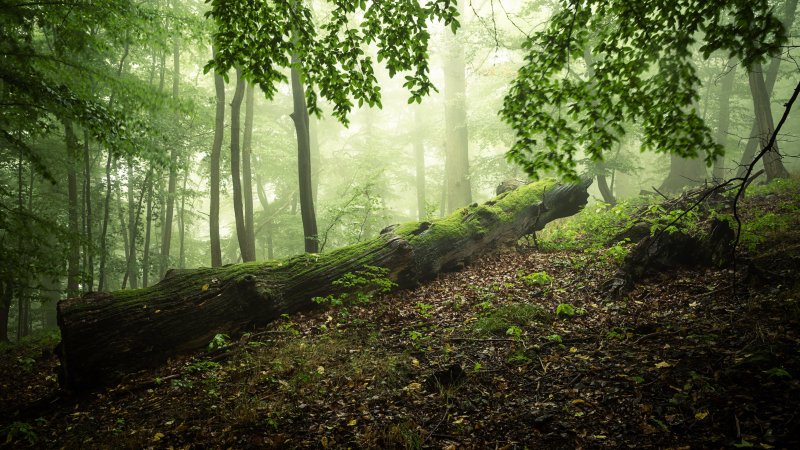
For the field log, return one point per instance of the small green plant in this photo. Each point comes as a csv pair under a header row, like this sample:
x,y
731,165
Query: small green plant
x,y
555,338
568,311
617,333
537,279
202,366
289,326
518,357
501,319
359,287
424,309
514,331
619,251
21,431
219,341
778,372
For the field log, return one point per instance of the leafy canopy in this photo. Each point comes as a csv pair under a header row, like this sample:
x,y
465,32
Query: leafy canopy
x,y
643,72
260,37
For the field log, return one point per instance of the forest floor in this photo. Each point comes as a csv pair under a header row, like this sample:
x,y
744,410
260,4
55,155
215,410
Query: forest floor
x,y
519,350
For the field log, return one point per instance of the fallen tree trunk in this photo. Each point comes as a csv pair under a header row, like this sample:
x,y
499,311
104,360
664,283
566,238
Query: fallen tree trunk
x,y
105,336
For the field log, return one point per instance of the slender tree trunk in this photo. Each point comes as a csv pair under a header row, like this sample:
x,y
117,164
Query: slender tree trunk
x,y
459,191
790,8
763,112
419,159
73,258
724,118
602,184
313,139
101,274
262,198
87,195
300,117
147,232
182,223
123,230
23,302
216,152
133,269
247,173
236,110
6,295
166,236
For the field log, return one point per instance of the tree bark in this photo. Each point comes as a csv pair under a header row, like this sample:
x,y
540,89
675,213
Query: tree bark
x,y
133,269
166,235
459,191
148,226
87,195
763,111
300,117
216,152
101,271
236,109
790,8
419,160
182,224
186,310
724,120
73,258
6,295
247,173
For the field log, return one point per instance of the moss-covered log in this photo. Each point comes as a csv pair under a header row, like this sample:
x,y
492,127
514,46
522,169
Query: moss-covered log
x,y
107,335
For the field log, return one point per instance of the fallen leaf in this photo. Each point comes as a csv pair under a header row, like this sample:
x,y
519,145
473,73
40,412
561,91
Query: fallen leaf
x,y
663,365
157,437
700,415
205,287
352,423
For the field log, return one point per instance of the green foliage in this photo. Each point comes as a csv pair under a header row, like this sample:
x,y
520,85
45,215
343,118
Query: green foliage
x,y
514,331
21,431
510,317
202,366
263,38
219,341
424,309
642,72
778,372
359,287
537,279
670,221
593,227
555,338
568,311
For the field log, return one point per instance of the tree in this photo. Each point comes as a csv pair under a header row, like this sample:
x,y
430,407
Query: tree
x,y
644,73
755,136
459,189
216,152
236,109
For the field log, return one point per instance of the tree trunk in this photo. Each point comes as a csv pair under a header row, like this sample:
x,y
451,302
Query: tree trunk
x,y
247,173
763,111
133,269
724,120
459,192
73,257
216,152
182,224
262,198
87,196
789,11
602,184
236,109
166,235
419,159
683,172
300,117
187,309
101,271
6,295
148,226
